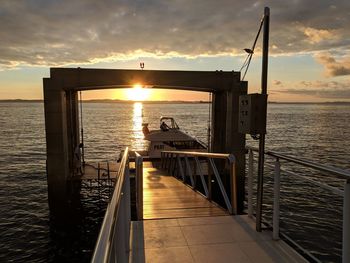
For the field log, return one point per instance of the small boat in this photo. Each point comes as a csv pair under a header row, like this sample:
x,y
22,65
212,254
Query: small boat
x,y
170,137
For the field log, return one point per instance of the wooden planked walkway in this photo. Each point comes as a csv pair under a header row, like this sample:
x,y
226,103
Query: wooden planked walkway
x,y
166,197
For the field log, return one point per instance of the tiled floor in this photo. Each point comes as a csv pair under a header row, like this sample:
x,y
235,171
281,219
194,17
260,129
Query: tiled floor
x,y
206,239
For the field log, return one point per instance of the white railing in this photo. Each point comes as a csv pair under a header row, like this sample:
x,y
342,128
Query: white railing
x,y
178,162
335,172
113,240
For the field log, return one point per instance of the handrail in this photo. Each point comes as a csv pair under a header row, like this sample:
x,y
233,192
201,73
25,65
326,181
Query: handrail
x,y
340,173
139,185
172,161
336,172
228,156
113,239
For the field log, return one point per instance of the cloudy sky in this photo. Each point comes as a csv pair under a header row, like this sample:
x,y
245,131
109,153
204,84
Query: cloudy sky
x,y
309,42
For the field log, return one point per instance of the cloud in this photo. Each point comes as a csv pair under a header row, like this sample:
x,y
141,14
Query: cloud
x,y
315,36
321,89
332,66
48,32
277,83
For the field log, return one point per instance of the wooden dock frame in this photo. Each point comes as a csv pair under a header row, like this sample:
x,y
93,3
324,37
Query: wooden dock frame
x,y
62,117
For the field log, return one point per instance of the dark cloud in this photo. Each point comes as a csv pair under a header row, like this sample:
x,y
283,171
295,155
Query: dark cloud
x,y
334,67
277,83
321,89
43,32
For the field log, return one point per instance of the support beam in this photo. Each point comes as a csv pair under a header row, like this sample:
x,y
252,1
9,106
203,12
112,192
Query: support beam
x,y
75,78
218,124
57,163
235,141
73,135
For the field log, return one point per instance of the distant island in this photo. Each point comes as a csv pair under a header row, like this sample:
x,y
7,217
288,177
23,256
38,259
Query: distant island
x,y
169,101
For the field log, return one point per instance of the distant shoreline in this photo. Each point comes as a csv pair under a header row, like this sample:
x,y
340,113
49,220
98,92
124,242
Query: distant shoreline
x,y
171,102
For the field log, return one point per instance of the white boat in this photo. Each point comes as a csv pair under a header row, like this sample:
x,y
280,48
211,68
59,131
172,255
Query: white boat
x,y
170,137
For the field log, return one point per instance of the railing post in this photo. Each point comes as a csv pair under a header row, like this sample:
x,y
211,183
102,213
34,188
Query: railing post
x,y
170,163
189,171
346,220
210,186
276,200
200,171
127,207
166,156
250,182
139,186
233,187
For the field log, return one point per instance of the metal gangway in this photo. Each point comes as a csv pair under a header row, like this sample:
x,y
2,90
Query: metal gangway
x,y
123,240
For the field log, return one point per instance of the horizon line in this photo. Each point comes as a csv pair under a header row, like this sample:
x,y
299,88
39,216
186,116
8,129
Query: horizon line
x,y
171,101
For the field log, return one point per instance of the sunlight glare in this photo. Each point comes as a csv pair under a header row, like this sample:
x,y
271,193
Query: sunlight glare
x,y
138,142
137,93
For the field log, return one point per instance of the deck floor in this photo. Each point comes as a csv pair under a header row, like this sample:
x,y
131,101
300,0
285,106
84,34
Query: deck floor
x,y
206,239
166,197
180,225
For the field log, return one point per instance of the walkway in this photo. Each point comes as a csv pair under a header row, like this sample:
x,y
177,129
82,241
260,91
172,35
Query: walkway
x,y
185,227
166,197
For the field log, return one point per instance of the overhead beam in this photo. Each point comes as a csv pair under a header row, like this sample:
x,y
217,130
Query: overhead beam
x,y
87,79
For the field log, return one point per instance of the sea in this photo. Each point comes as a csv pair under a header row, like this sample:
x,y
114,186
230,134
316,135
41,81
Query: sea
x,y
310,216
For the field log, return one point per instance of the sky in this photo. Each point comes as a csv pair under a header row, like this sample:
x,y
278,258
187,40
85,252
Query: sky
x,y
309,43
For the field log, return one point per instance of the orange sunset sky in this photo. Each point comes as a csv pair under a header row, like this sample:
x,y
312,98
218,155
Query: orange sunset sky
x,y
309,47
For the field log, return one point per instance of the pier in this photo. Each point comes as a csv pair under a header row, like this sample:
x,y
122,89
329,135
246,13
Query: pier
x,y
179,224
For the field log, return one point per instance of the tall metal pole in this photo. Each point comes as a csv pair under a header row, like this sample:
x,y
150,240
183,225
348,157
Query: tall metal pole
x,y
262,136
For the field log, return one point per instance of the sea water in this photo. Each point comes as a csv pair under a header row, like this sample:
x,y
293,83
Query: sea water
x,y
309,215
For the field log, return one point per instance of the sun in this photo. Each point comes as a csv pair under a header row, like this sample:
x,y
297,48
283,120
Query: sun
x,y
137,93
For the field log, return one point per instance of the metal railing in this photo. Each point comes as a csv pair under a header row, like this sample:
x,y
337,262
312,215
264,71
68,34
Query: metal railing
x,y
113,240
139,185
335,172
179,163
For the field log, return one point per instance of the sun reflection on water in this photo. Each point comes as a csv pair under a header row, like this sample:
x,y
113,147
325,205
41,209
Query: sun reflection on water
x,y
138,142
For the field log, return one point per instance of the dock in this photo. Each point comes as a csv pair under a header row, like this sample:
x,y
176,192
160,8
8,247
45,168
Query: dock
x,y
181,225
